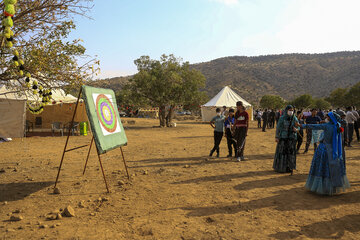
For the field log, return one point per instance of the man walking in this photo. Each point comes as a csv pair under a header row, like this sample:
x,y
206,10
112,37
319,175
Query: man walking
x,y
265,117
241,128
350,119
218,124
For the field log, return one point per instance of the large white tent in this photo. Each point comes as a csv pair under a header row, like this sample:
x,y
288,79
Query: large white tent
x,y
226,97
13,113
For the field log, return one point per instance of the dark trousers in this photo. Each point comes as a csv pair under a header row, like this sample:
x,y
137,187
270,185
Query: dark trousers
x,y
350,132
308,140
217,140
230,141
299,140
240,137
264,125
259,122
356,128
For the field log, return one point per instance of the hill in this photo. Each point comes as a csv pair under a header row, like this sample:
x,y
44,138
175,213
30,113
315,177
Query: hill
x,y
287,75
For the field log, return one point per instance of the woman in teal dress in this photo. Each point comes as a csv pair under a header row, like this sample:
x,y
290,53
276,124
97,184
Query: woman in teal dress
x,y
327,174
286,138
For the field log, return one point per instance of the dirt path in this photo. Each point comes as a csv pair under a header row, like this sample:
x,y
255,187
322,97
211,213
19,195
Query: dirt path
x,y
176,191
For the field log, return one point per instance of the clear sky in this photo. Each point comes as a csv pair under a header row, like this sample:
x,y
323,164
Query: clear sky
x,y
202,30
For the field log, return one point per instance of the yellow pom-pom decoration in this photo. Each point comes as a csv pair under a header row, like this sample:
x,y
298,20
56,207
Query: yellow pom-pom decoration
x,y
28,75
8,22
21,73
7,30
41,87
28,85
16,63
35,82
9,10
7,35
13,2
35,92
21,62
9,44
16,53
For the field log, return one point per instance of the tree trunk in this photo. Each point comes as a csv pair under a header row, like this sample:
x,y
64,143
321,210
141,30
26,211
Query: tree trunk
x,y
170,116
162,116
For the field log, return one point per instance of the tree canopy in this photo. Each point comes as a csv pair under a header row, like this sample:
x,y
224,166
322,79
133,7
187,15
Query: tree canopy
x,y
164,83
272,102
40,32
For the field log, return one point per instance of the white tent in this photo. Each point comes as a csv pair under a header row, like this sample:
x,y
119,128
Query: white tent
x,y
13,109
12,114
226,97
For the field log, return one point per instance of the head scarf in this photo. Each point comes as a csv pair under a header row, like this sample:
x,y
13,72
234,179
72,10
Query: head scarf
x,y
286,110
336,141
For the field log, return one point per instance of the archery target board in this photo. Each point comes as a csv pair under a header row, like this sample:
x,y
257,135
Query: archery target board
x,y
104,118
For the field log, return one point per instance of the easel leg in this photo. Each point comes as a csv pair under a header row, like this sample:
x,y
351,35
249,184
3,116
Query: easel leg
x,y
102,169
68,136
122,153
87,158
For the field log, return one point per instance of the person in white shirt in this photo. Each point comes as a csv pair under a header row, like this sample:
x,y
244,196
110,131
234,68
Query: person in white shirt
x,y
356,123
350,119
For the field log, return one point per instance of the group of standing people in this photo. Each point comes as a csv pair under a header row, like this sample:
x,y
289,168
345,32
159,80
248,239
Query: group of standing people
x,y
328,171
267,118
235,125
329,131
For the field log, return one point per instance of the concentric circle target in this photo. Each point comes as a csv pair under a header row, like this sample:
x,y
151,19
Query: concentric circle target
x,y
106,113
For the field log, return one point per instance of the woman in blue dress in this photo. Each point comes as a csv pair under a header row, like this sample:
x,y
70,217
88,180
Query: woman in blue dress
x,y
286,138
327,173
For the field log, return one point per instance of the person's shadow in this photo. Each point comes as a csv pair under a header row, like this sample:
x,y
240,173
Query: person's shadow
x,y
18,191
332,229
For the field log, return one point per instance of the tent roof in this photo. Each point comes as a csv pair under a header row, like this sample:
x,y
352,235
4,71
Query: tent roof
x,y
226,97
58,95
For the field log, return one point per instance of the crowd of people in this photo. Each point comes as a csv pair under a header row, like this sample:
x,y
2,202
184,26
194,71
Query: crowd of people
x,y
328,131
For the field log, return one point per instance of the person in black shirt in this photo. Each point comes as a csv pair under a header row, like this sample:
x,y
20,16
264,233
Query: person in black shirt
x,y
272,119
313,119
229,122
300,134
265,117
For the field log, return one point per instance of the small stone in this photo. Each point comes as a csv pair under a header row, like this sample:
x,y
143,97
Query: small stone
x,y
121,183
56,190
53,226
209,220
20,227
58,216
145,172
17,211
10,230
15,169
57,224
81,204
43,226
105,199
15,218
68,212
125,199
2,170
92,214
5,203
51,217
187,166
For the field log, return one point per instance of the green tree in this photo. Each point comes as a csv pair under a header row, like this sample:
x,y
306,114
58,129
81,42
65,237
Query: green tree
x,y
165,83
41,29
272,102
321,103
352,97
337,97
303,101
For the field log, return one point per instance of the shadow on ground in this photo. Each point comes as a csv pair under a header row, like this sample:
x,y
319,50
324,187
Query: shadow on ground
x,y
18,191
332,229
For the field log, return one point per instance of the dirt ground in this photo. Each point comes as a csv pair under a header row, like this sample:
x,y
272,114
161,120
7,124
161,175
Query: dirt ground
x,y
176,191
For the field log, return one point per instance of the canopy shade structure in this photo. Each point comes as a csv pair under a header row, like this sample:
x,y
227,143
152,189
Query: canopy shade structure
x,y
226,97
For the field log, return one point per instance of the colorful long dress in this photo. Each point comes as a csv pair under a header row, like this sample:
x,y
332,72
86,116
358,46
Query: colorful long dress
x,y
285,155
327,173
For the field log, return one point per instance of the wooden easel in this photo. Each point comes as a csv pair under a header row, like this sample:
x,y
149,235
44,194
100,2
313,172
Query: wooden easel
x,y
87,158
